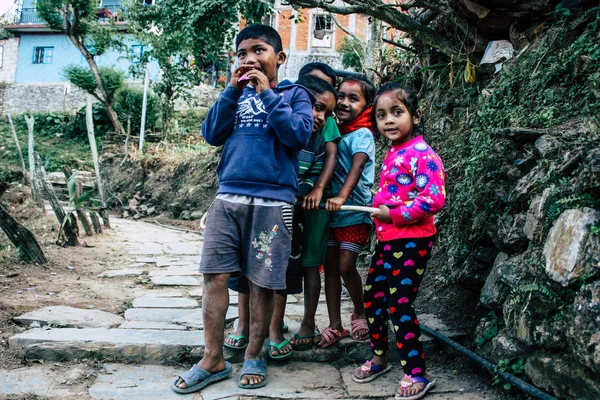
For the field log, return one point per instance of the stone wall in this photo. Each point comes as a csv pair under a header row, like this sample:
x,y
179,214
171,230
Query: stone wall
x,y
200,96
9,59
50,97
296,61
41,97
541,279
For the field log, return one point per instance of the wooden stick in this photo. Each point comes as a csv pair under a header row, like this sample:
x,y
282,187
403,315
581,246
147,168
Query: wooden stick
x,y
70,230
96,222
19,152
36,193
89,122
28,249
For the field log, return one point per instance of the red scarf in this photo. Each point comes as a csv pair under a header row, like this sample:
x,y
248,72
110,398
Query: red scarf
x,y
363,120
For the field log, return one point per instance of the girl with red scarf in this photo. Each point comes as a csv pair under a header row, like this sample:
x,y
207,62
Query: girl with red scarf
x,y
349,230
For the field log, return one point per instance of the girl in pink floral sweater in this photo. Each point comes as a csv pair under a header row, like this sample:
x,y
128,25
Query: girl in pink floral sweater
x,y
411,191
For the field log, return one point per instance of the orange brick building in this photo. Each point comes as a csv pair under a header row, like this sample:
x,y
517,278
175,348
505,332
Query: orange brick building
x,y
315,37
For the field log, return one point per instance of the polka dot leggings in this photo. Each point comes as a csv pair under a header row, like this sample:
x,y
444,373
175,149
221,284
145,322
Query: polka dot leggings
x,y
396,272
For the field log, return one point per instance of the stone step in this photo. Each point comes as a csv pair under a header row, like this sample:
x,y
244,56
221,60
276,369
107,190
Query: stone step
x,y
190,318
131,345
164,302
113,273
70,317
175,281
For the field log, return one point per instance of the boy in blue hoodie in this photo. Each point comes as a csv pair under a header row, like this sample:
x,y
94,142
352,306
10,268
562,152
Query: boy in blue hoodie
x,y
262,125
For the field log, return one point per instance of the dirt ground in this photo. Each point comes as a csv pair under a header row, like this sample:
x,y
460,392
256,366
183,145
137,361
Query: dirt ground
x,y
69,278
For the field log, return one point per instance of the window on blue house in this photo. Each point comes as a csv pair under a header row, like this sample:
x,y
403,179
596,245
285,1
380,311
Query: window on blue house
x,y
137,51
43,55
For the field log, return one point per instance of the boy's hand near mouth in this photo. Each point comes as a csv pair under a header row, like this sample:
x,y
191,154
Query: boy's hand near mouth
x,y
245,73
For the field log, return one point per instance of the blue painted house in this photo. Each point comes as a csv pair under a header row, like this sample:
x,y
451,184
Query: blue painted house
x,y
43,53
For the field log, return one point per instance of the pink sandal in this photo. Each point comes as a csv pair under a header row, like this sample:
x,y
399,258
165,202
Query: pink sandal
x,y
359,325
332,336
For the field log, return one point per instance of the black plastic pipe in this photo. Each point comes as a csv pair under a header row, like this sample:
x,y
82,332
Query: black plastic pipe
x,y
513,380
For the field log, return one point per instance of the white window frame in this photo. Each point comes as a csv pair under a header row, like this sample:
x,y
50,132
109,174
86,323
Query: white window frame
x,y
317,44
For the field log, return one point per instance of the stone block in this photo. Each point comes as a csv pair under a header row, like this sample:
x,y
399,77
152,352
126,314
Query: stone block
x,y
176,272
113,273
494,291
565,246
525,186
156,314
584,327
156,346
175,281
151,325
135,382
70,317
163,293
560,374
194,319
42,381
286,381
545,146
164,302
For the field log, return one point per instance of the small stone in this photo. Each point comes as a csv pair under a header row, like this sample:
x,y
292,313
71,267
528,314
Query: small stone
x,y
195,215
133,203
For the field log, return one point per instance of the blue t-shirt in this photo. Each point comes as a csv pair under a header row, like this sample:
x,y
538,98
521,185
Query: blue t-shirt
x,y
359,141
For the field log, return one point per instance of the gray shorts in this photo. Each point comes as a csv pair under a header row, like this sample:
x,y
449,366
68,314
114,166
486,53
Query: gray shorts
x,y
252,239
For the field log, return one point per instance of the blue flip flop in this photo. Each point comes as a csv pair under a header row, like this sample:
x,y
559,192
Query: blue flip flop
x,y
197,378
254,367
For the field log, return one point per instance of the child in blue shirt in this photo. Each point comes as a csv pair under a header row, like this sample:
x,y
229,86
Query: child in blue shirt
x,y
263,125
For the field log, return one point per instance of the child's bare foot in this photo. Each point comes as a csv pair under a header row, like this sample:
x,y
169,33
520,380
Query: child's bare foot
x,y
414,387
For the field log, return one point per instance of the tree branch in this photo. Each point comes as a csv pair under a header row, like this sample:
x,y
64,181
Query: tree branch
x,y
392,16
361,43
400,45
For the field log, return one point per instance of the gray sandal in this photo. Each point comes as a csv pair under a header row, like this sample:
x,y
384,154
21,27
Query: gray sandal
x,y
254,367
197,378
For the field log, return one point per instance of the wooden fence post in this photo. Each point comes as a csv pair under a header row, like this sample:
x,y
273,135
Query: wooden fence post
x,y
89,121
69,227
36,194
14,133
28,249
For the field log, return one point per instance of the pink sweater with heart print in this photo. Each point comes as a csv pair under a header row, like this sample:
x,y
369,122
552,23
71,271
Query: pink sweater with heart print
x,y
412,186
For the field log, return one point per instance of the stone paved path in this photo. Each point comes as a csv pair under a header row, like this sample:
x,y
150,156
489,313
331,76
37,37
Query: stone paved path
x,y
164,326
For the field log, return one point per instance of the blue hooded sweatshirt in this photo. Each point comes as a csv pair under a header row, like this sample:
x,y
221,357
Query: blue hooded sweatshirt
x,y
262,134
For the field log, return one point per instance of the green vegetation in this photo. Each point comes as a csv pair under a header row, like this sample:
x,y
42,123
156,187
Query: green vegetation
x,y
52,141
551,82
514,367
352,54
